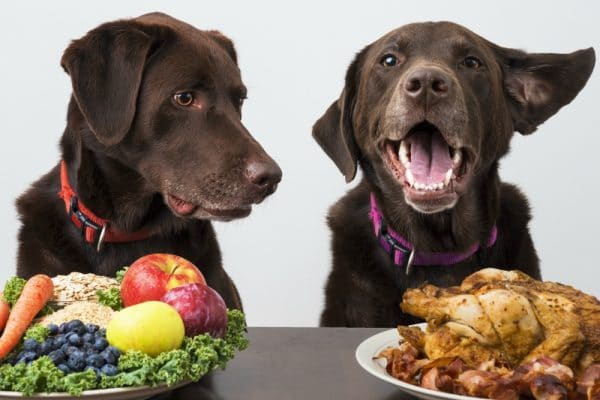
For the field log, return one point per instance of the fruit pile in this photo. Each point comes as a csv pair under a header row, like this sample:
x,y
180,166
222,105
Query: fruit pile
x,y
173,328
168,295
72,347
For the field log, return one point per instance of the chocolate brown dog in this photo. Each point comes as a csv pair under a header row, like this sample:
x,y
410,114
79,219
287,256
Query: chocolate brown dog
x,y
427,111
153,150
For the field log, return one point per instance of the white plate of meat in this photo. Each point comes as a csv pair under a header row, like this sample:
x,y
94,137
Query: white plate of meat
x,y
500,334
367,356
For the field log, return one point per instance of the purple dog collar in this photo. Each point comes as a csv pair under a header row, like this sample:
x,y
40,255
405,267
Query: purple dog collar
x,y
403,253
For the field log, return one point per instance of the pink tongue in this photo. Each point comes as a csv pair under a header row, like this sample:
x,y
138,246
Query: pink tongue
x,y
180,206
429,157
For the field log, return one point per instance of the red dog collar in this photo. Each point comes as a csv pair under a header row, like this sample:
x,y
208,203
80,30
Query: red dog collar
x,y
404,254
95,230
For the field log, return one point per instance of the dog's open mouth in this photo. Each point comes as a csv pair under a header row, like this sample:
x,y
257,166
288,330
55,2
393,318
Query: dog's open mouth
x,y
186,209
428,168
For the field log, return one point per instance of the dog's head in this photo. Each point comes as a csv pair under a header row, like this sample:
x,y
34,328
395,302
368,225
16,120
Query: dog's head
x,y
164,99
430,106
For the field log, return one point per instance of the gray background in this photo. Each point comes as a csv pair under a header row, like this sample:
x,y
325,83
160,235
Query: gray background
x,y
293,58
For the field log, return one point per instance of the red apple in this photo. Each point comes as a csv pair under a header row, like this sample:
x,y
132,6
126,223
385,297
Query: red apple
x,y
151,276
201,308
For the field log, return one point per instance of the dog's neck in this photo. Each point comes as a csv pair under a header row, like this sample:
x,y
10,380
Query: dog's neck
x,y
112,190
469,221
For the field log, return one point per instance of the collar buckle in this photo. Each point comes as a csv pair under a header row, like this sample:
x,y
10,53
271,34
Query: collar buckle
x,y
85,223
406,255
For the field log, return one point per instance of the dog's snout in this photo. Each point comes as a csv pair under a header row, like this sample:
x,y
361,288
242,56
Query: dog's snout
x,y
427,85
264,175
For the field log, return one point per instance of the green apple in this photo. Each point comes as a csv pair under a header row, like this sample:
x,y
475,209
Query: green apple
x,y
150,327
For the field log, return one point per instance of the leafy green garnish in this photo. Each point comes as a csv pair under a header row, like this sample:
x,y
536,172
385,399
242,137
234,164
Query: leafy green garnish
x,y
112,297
38,332
12,290
121,273
196,357
43,376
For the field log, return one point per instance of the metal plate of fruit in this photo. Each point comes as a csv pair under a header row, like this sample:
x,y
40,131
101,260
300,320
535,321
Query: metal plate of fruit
x,y
105,344
137,393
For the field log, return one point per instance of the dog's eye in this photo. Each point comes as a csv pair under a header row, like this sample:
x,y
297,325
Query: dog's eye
x,y
242,99
183,98
472,62
389,60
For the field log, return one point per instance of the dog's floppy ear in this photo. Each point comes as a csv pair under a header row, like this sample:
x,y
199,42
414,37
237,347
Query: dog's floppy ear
x,y
538,85
225,43
334,131
106,67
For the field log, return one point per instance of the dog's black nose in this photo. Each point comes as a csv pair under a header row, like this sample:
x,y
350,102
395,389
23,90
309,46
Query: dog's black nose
x,y
263,174
427,85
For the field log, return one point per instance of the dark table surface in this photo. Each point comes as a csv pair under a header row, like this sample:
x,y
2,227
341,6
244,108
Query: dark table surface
x,y
294,363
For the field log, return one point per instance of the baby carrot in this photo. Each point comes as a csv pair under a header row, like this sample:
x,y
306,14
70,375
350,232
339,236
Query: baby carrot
x,y
4,311
33,298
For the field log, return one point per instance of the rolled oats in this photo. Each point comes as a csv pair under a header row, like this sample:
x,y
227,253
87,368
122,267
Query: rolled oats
x,y
77,286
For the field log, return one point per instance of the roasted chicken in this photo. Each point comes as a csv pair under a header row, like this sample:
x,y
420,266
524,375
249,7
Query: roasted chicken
x,y
507,317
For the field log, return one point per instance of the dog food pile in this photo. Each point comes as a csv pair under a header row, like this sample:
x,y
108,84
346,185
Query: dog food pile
x,y
87,311
80,287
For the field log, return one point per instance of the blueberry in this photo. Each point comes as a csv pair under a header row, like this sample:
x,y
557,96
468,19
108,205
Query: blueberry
x,y
88,337
91,328
62,328
53,328
30,345
76,361
68,349
45,347
74,339
73,325
88,348
100,344
59,341
109,369
20,357
114,351
57,357
95,360
101,332
64,368
27,356
108,357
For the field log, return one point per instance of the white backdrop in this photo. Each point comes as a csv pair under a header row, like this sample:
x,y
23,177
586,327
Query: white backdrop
x,y
293,59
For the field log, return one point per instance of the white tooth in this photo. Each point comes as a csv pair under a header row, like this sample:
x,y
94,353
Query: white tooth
x,y
457,157
448,176
409,177
420,186
430,188
403,154
440,186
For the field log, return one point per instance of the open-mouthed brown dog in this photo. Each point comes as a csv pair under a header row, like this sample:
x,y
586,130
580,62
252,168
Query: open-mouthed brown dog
x,y
427,111
153,150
